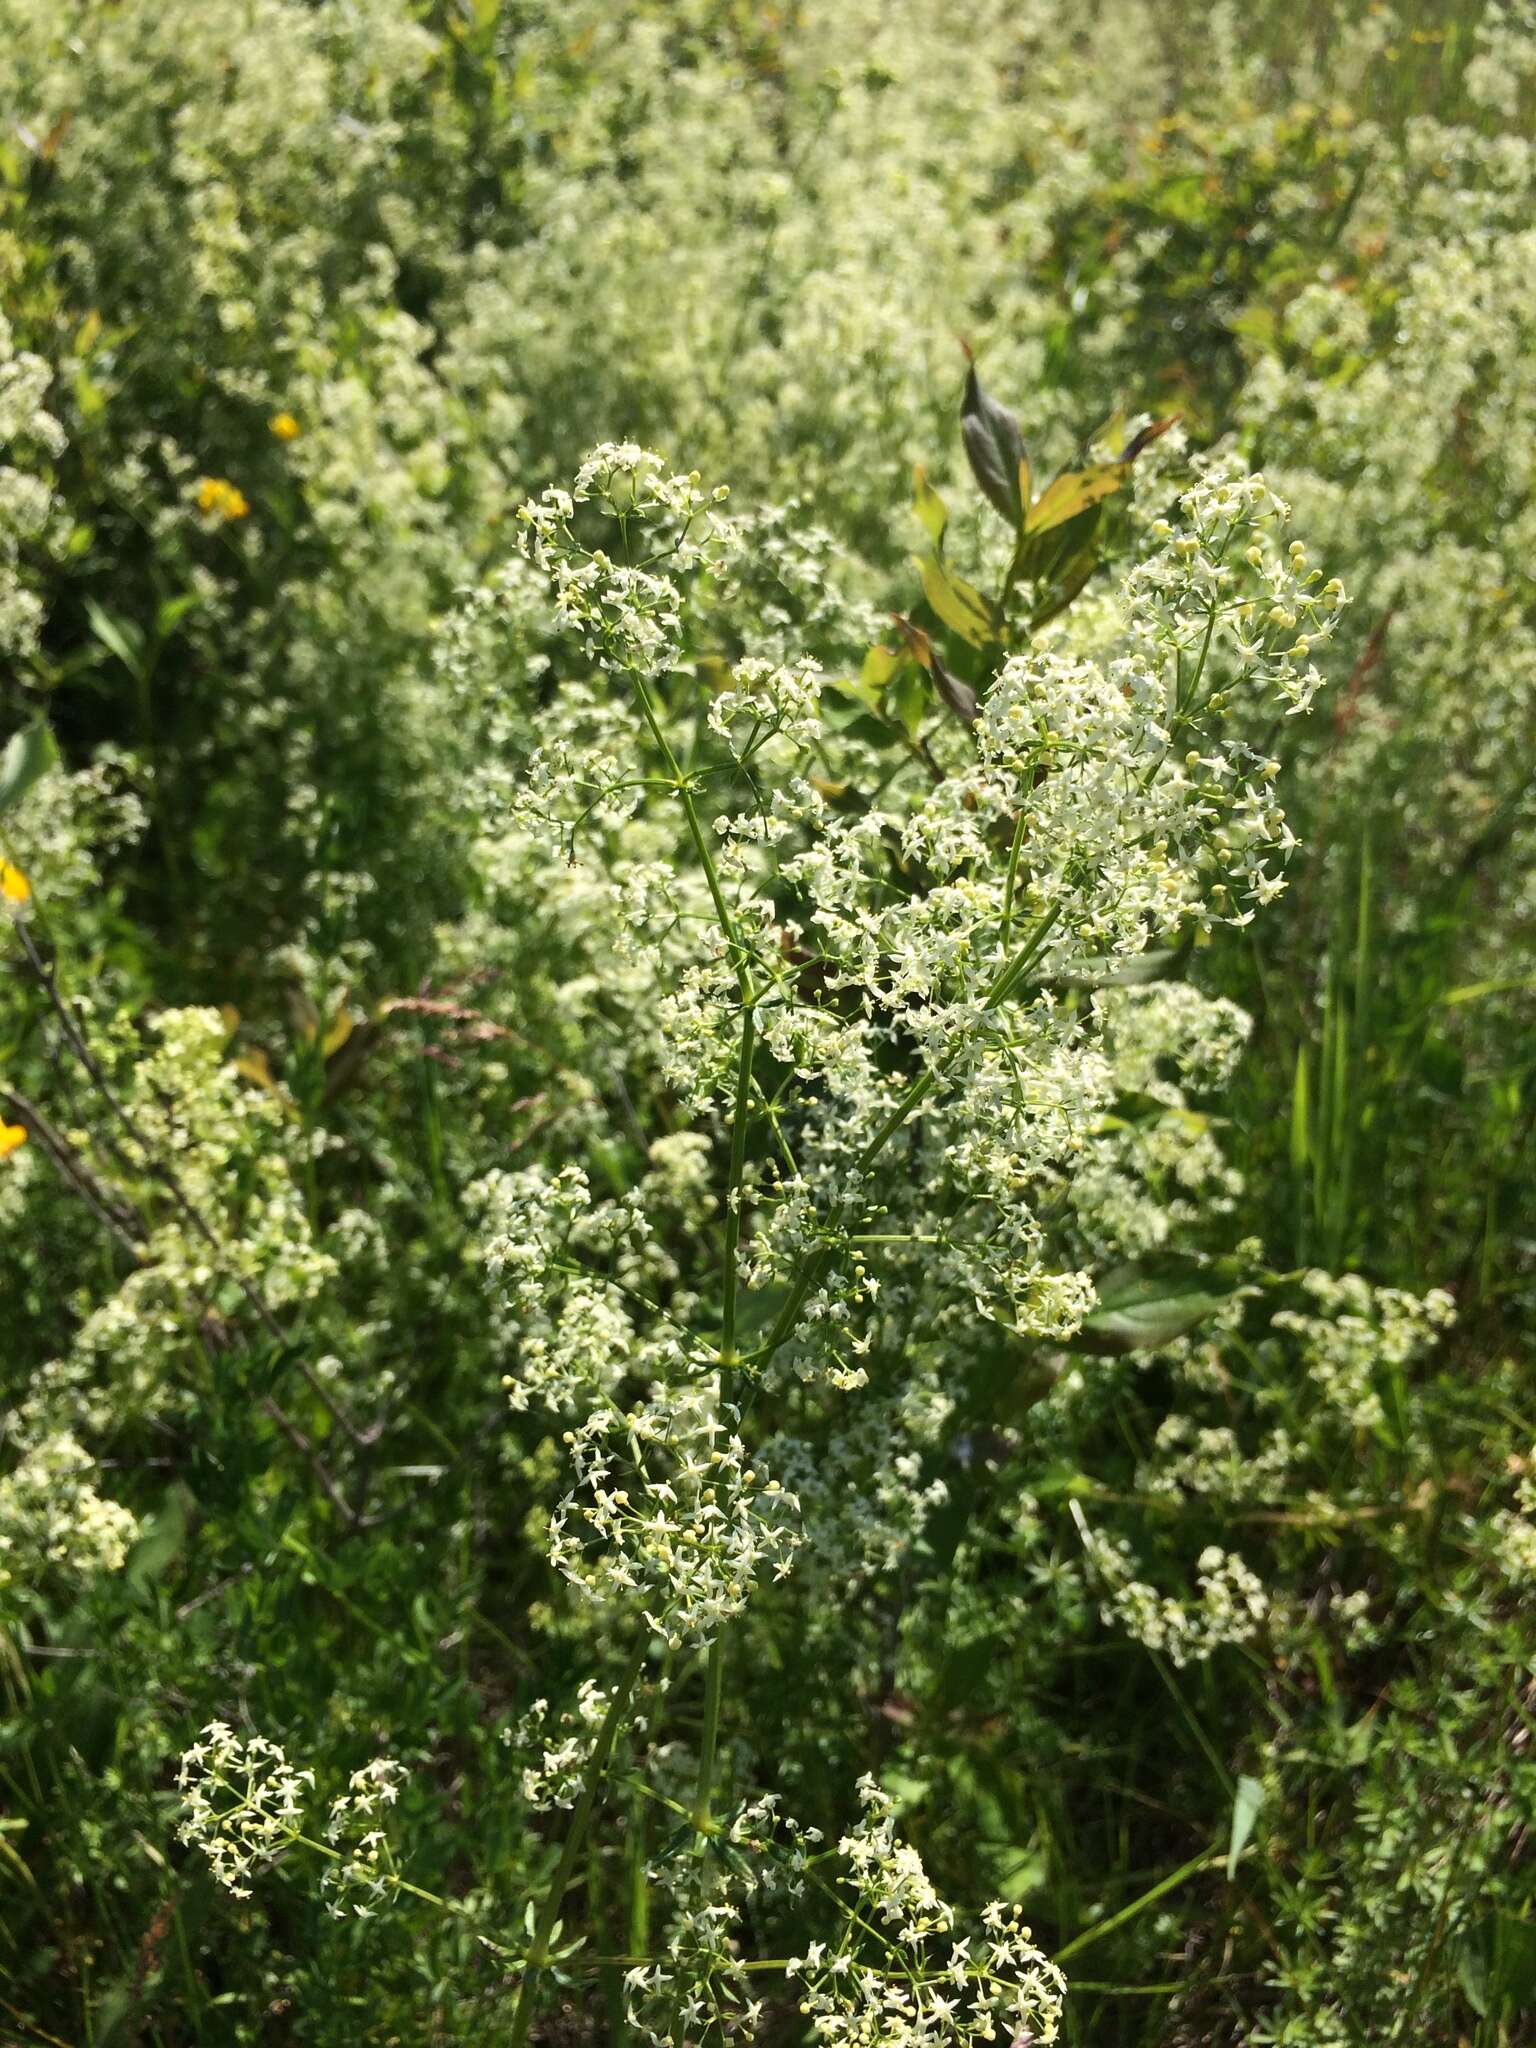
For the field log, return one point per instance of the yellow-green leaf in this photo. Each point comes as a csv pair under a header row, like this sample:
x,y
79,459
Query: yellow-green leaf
x,y
880,664
959,604
1073,492
929,506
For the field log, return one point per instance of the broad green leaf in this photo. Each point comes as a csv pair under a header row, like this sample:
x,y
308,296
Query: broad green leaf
x,y
28,756
1246,1802
1058,553
1144,1306
994,446
1496,1966
908,699
959,604
1073,492
880,664
929,506
1514,1951
1064,585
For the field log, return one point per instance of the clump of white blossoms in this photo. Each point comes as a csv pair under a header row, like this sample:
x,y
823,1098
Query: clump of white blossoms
x,y
877,978
670,1511
698,1981
553,1750
897,1978
362,1874
899,956
242,1802
193,1177
1230,1606
1356,1334
52,1516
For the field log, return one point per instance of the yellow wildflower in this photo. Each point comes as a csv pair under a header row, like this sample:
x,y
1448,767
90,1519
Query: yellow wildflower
x,y
285,426
221,499
14,886
11,1136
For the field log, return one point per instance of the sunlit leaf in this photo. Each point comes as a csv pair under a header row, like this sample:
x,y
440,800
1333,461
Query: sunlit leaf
x,y
1073,492
28,756
929,506
1246,1801
909,698
958,603
1143,1306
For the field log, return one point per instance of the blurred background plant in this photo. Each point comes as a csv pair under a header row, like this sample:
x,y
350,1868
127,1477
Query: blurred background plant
x,y
1203,1636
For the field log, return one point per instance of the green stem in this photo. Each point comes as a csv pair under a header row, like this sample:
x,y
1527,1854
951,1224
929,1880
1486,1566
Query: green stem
x,y
549,1912
709,1741
740,1113
696,833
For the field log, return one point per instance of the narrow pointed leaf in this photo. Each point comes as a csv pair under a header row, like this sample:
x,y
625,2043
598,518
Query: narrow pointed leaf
x,y
929,506
1143,1307
995,448
1246,1802
957,694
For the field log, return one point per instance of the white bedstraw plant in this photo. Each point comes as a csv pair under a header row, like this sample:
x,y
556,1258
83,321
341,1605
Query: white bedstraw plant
x,y
886,1134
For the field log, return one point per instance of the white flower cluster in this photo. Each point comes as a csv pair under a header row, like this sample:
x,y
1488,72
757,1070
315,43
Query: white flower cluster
x,y
1359,1333
1211,1462
1231,1606
191,1116
670,1512
553,1755
574,1278
573,1336
243,1805
242,1802
624,607
51,1514
27,504
763,702
698,1983
917,1986
362,1873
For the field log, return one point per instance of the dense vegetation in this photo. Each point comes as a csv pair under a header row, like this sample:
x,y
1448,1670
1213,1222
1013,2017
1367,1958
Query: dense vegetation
x,y
766,1210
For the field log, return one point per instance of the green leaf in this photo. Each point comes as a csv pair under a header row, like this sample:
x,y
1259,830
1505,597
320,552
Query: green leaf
x,y
1111,970
957,694
1073,492
28,756
163,1539
959,604
907,700
929,505
169,615
880,664
1246,1802
994,446
119,636
1301,1115
1143,1306
1496,1966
